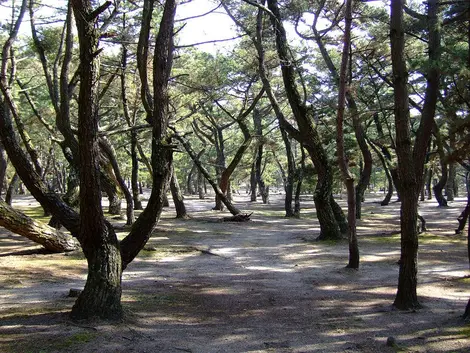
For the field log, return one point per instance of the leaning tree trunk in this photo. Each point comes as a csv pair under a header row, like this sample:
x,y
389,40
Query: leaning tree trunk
x,y
233,210
307,132
50,238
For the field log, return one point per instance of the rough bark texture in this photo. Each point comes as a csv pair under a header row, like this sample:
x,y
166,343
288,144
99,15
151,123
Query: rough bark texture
x,y
49,237
307,132
101,296
411,160
158,116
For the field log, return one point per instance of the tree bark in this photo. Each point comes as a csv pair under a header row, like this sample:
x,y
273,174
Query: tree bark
x,y
177,197
348,178
50,238
3,168
263,189
101,296
411,161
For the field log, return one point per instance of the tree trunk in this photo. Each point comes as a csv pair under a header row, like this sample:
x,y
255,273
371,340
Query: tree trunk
x,y
233,210
263,189
342,159
3,168
135,173
411,161
177,196
451,181
290,178
439,187
101,296
12,188
49,237
253,184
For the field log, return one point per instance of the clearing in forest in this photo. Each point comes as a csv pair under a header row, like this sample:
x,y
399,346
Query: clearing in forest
x,y
202,285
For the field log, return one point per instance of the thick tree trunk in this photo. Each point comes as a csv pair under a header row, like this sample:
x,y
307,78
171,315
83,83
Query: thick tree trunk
x,y
411,161
49,237
101,296
307,132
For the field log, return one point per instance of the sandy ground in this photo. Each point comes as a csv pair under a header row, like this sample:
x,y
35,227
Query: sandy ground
x,y
203,286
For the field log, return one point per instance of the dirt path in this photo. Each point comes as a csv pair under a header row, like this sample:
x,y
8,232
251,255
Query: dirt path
x,y
204,286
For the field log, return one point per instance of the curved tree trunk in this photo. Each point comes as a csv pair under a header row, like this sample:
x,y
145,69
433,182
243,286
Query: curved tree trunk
x,y
49,237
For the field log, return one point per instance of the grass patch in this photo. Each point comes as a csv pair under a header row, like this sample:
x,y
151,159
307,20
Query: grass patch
x,y
35,212
76,339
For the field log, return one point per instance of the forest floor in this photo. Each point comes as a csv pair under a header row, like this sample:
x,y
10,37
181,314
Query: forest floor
x,y
202,285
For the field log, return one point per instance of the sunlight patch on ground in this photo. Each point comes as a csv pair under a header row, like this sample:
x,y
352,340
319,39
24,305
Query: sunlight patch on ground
x,y
269,269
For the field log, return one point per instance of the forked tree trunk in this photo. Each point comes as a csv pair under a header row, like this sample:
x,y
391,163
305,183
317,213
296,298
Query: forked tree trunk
x,y
101,296
411,160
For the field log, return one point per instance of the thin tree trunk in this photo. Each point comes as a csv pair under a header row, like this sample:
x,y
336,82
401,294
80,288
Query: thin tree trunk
x,y
253,184
12,188
3,168
233,210
177,197
342,159
290,177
